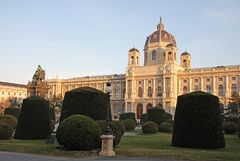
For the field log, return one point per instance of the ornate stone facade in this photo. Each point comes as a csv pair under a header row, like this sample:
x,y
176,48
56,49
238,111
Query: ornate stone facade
x,y
159,81
38,85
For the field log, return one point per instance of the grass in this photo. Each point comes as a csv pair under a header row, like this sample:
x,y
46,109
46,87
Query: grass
x,y
157,146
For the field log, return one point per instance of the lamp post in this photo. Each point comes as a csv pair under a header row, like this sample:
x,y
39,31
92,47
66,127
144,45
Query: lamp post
x,y
107,137
108,90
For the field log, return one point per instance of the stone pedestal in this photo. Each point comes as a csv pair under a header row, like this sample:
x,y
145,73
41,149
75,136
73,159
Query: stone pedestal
x,y
107,146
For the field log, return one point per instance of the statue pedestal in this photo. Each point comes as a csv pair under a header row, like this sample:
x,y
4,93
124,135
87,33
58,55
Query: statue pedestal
x,y
107,146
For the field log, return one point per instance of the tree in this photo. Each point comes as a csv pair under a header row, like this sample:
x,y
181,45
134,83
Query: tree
x,y
4,104
232,110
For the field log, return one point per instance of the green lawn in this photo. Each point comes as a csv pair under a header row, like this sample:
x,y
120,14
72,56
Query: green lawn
x,y
158,146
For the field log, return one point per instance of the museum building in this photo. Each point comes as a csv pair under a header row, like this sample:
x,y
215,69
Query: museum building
x,y
159,81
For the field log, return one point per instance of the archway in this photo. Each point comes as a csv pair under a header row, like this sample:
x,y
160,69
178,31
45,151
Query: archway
x,y
139,111
148,106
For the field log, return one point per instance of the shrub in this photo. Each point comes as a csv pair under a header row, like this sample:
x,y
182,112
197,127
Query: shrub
x,y
158,115
121,126
78,132
33,122
6,130
116,131
230,127
144,118
9,119
12,111
165,127
197,122
129,115
129,124
85,101
150,127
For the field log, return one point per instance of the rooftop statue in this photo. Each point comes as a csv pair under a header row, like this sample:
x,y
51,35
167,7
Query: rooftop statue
x,y
39,74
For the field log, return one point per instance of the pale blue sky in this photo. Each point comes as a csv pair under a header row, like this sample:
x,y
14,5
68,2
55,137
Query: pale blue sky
x,y
72,38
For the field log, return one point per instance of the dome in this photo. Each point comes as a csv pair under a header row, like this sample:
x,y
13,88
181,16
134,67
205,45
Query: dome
x,y
185,53
133,49
160,37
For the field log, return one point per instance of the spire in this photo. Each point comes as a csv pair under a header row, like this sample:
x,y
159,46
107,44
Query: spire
x,y
160,26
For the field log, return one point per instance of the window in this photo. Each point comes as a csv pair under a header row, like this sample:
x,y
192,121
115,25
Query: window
x,y
185,90
115,108
149,92
233,78
159,92
196,80
139,82
196,88
233,89
154,56
169,56
184,81
208,89
220,79
220,90
208,79
2,93
140,92
148,106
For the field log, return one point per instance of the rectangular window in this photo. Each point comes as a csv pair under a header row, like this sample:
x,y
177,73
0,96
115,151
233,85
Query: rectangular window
x,y
184,81
220,79
233,78
196,80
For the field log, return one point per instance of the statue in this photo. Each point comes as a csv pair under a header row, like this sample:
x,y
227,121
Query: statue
x,y
39,74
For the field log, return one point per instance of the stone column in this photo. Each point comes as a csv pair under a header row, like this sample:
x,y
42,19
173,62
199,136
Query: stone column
x,y
213,85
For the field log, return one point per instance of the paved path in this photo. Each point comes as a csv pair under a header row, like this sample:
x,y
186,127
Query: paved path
x,y
9,156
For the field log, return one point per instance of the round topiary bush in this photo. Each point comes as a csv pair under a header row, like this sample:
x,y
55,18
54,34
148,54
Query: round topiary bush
x,y
144,118
129,124
150,127
197,122
33,121
116,131
6,130
78,132
11,120
12,111
165,127
158,115
230,127
85,101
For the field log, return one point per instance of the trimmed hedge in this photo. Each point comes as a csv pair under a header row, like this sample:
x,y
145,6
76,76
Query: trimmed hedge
x,y
9,119
6,130
12,111
78,132
150,127
158,115
129,124
34,121
198,122
144,118
166,127
129,115
116,131
85,101
230,127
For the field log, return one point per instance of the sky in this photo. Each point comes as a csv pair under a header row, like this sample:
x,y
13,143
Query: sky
x,y
75,38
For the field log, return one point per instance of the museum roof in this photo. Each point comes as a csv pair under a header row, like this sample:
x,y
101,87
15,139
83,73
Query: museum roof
x,y
13,84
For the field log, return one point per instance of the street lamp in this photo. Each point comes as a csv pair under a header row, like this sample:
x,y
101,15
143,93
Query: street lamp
x,y
108,90
107,137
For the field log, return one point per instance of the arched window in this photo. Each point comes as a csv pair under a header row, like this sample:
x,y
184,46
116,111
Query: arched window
x,y
139,111
233,89
208,89
159,92
169,56
149,91
184,63
220,90
160,106
154,55
185,90
132,60
148,106
140,92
